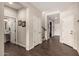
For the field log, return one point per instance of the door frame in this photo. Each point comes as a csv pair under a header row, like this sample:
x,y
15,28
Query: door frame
x,y
15,27
47,21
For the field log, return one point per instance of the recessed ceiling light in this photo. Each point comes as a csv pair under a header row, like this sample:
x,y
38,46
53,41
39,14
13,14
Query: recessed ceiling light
x,y
10,2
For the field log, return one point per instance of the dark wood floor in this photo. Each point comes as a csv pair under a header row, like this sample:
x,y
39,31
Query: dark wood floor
x,y
51,47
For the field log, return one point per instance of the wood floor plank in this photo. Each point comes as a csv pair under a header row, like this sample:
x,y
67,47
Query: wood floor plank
x,y
51,47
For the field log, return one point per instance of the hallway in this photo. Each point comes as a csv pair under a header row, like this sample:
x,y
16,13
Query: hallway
x,y
51,47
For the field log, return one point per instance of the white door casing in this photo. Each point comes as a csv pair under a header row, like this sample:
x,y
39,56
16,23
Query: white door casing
x,y
10,28
13,29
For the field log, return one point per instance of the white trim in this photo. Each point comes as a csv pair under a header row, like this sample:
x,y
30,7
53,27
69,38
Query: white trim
x,y
34,46
15,25
46,19
70,46
16,29
31,48
27,29
54,12
21,44
9,17
78,51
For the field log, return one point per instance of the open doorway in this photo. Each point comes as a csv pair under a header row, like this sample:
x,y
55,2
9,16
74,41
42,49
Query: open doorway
x,y
10,29
53,25
15,26
50,29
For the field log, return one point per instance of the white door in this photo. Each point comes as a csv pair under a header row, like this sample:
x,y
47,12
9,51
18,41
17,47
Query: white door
x,y
36,31
68,30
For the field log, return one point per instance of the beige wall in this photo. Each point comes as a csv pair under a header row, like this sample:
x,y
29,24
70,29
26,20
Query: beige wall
x,y
1,30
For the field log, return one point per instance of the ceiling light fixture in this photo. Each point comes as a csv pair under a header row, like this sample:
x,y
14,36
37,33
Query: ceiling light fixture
x,y
10,2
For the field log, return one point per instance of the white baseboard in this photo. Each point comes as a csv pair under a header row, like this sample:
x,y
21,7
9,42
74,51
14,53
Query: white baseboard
x,y
78,51
21,45
72,47
33,46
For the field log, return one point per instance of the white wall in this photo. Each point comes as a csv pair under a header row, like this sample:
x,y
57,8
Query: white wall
x,y
21,31
31,12
76,27
57,29
12,15
22,14
1,30
19,15
10,12
67,16
27,33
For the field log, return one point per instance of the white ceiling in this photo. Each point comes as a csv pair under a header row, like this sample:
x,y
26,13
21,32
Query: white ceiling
x,y
52,6
15,5
43,6
55,18
48,7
